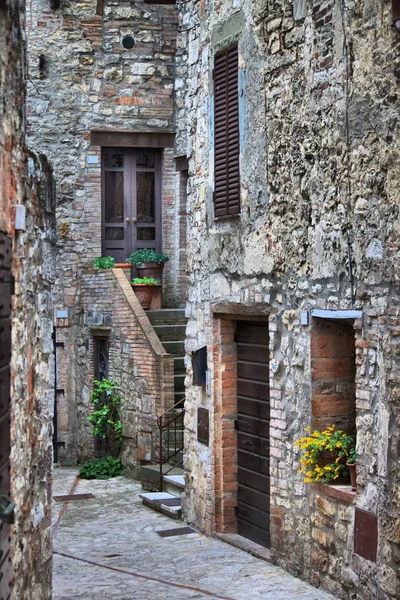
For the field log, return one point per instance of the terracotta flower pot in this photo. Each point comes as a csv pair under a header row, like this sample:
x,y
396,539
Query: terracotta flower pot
x,y
144,293
151,269
353,475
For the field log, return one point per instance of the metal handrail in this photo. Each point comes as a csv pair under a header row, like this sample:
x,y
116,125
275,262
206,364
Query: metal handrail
x,y
170,421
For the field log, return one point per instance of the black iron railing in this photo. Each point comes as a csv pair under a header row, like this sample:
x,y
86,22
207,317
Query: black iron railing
x,y
171,428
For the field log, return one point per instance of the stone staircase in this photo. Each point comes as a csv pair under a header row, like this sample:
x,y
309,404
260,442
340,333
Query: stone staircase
x,y
170,327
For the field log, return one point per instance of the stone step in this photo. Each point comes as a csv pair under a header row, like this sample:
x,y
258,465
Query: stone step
x,y
176,348
179,382
179,398
174,484
172,436
163,502
179,365
170,332
167,315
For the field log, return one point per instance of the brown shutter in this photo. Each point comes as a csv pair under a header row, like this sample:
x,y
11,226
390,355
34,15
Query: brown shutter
x,y
226,134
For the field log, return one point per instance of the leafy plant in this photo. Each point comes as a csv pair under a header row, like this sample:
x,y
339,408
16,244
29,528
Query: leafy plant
x,y
325,454
146,255
103,262
144,281
105,417
101,468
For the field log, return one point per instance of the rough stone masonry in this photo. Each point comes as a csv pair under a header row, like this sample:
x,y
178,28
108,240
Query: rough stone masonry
x,y
318,229
27,189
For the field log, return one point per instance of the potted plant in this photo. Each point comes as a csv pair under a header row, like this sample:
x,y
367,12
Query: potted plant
x,y
144,289
325,454
103,262
148,262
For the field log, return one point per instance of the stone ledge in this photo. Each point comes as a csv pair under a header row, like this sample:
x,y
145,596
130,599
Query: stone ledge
x,y
342,493
246,545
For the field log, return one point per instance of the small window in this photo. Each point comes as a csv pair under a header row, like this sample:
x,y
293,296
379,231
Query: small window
x,y
333,369
226,134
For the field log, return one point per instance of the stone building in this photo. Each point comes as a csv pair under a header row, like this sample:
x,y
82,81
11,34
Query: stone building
x,y
292,138
274,125
26,363
101,107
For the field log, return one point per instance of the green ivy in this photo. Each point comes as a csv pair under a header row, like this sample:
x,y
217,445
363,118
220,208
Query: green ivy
x,y
103,262
146,255
144,281
101,468
105,417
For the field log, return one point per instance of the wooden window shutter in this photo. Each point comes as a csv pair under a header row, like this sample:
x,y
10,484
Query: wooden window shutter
x,y
226,134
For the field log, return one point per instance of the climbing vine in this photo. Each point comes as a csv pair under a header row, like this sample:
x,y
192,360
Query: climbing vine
x,y
105,417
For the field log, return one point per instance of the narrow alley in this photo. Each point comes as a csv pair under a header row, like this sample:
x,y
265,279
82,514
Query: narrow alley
x,y
109,547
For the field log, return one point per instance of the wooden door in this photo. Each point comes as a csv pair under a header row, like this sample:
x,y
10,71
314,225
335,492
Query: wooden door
x,y
131,215
5,353
253,414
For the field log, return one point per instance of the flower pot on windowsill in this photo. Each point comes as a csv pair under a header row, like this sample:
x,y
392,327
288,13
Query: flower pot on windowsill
x,y
353,475
150,269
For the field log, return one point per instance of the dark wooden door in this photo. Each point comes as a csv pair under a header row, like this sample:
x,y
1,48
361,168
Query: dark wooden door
x,y
131,215
5,352
253,414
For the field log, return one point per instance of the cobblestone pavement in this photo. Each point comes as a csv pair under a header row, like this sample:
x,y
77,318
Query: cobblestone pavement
x,y
108,548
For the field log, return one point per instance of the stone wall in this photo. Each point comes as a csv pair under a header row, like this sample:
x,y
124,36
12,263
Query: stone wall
x,y
137,363
318,229
83,80
26,183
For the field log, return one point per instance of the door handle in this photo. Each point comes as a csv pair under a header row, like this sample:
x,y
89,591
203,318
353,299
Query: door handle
x,y
127,220
134,220
6,510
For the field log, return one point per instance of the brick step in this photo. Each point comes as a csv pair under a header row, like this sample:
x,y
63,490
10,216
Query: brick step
x,y
170,332
167,316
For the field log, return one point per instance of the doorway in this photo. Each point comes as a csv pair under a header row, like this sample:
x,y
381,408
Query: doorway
x,y
131,205
253,443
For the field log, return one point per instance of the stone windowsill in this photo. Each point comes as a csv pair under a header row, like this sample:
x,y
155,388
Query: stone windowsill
x,y
343,493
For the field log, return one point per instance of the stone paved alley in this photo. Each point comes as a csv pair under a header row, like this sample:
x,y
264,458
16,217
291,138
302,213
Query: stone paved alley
x,y
107,547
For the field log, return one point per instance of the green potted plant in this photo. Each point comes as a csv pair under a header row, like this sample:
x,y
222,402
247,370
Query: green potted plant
x,y
325,454
103,262
144,289
148,262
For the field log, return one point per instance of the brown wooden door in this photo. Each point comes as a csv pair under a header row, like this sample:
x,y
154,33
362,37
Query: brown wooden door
x,y
253,414
131,215
5,352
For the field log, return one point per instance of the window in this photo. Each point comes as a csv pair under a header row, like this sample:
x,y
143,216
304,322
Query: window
x,y
333,369
226,134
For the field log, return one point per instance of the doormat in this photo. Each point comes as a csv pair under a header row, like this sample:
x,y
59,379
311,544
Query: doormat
x,y
178,531
169,502
70,497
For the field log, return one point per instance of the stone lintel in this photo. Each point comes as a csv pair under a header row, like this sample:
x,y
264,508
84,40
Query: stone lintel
x,y
132,139
243,310
336,314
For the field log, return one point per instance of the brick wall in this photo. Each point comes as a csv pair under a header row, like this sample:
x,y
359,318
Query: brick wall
x,y
138,364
